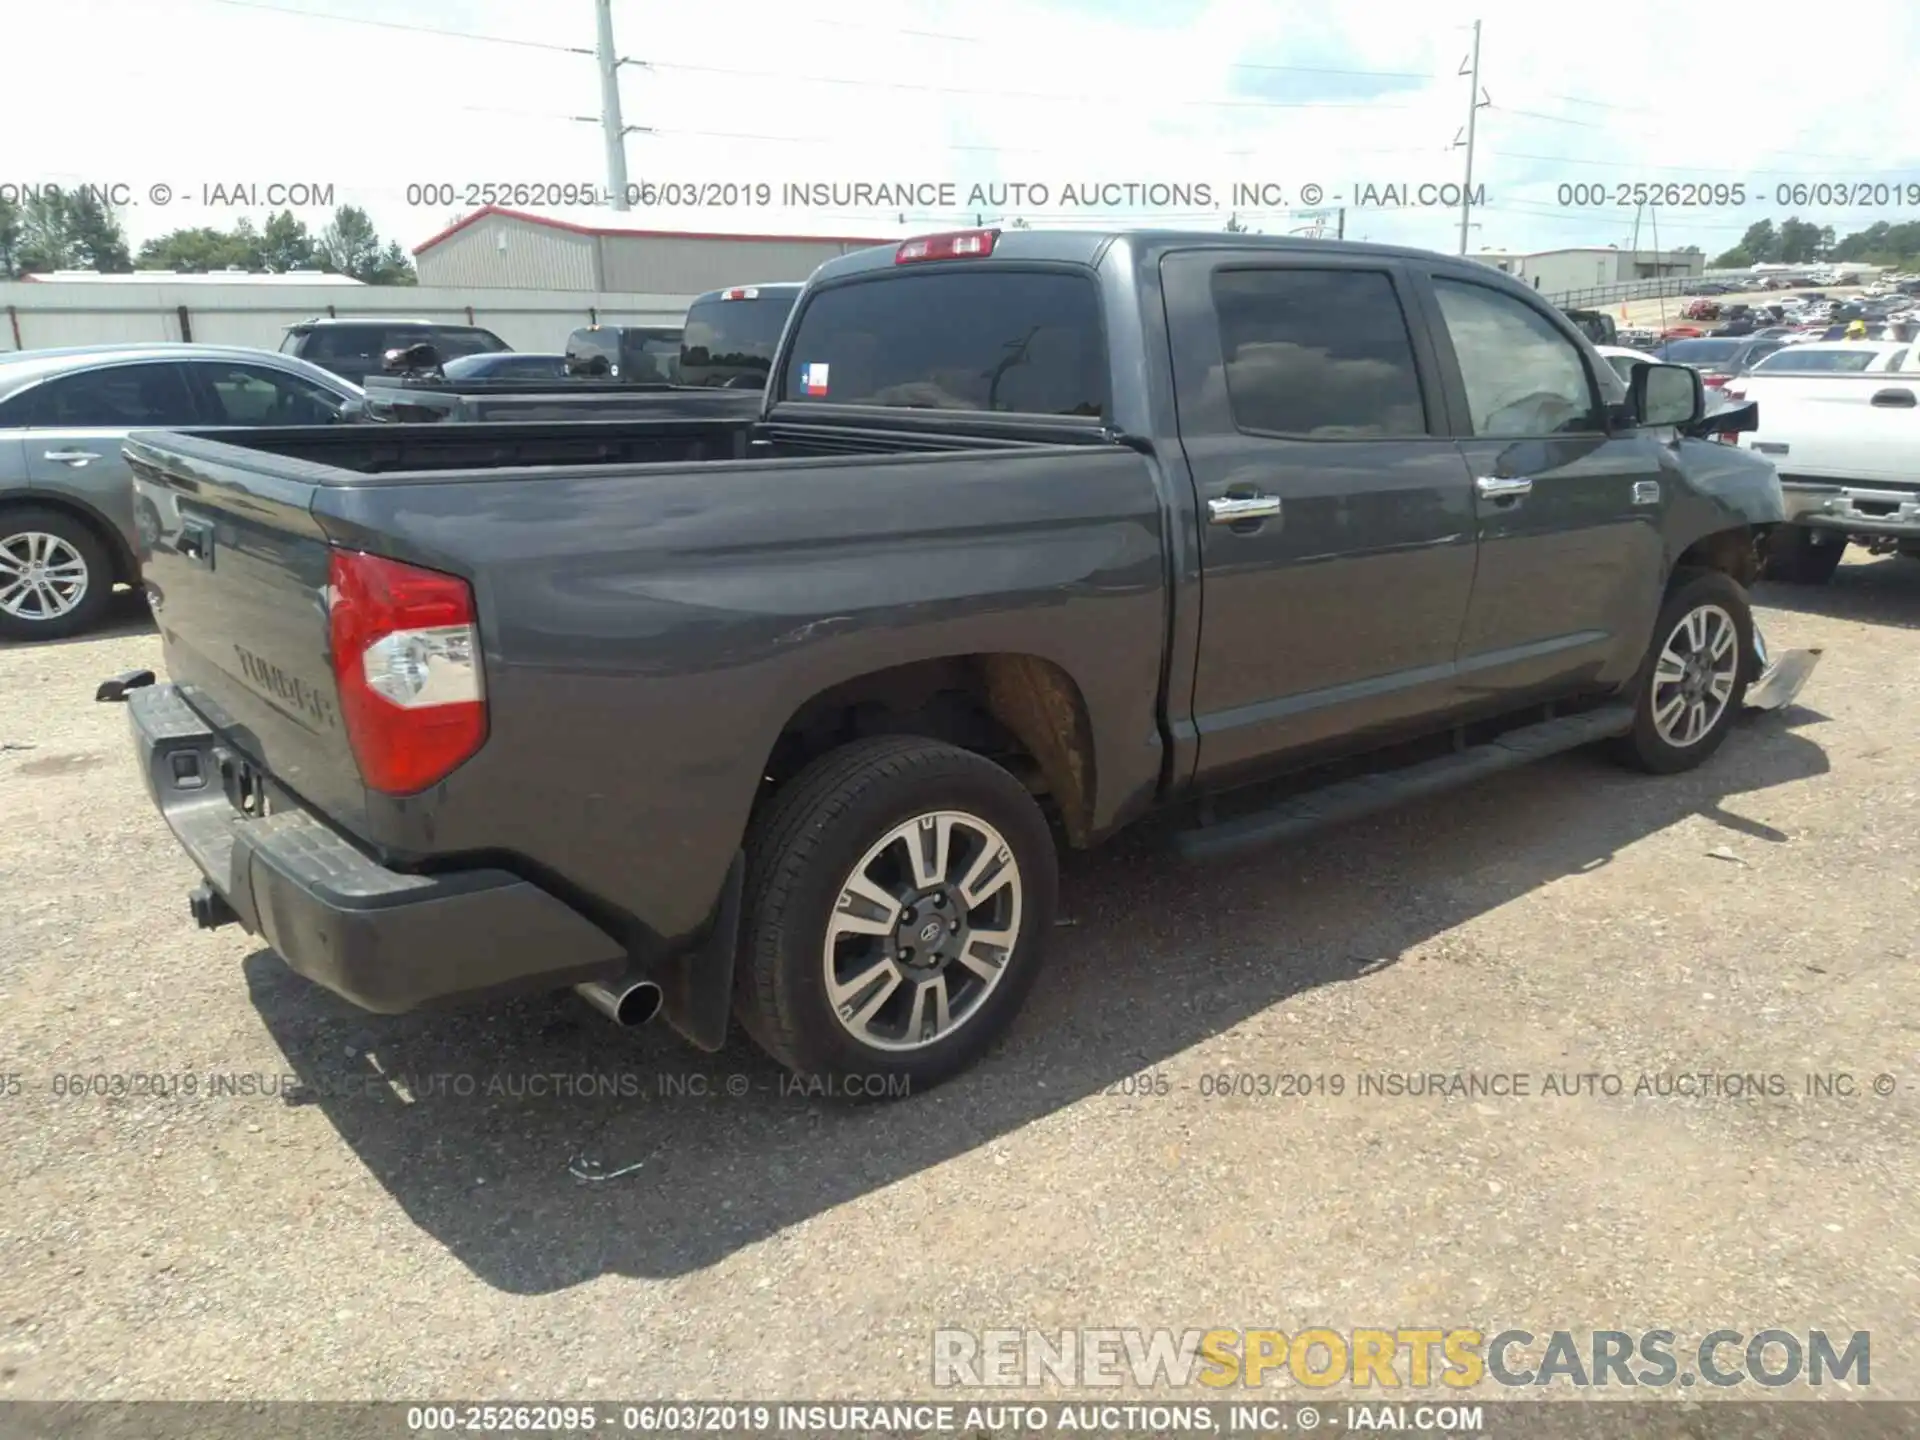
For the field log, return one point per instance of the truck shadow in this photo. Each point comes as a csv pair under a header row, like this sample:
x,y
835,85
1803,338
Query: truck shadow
x,y
481,1124
1879,592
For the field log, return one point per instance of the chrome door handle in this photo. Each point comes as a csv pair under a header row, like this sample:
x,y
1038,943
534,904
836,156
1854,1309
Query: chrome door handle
x,y
1493,488
70,457
1229,509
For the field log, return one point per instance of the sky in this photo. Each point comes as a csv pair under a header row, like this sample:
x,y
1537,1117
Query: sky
x,y
1194,95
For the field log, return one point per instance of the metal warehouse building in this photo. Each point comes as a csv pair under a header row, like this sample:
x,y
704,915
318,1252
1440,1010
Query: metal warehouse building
x,y
603,251
1556,271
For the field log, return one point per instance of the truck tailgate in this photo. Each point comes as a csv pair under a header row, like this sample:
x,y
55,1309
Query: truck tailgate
x,y
237,570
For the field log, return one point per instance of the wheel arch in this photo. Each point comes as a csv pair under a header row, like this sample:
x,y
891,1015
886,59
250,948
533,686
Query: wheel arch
x,y
1024,711
126,568
1733,550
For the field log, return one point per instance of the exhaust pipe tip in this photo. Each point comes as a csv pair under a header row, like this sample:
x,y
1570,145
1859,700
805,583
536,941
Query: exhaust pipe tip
x,y
628,1003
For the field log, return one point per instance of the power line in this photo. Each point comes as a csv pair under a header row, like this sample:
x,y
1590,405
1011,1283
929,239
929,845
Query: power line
x,y
840,141
402,25
1636,165
922,89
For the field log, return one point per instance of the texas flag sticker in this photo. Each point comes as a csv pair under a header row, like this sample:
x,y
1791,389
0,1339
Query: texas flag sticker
x,y
815,378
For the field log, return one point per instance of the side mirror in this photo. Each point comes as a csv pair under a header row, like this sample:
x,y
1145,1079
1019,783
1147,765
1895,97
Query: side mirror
x,y
1665,395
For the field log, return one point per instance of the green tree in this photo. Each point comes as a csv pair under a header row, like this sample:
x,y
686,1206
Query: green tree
x,y
395,267
286,245
1738,258
203,248
1234,225
1799,241
9,239
1761,242
350,245
70,230
98,241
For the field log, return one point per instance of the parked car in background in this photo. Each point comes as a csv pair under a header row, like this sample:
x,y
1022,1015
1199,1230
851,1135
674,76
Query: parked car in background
x,y
731,335
1623,359
1847,446
640,353
1718,359
68,524
506,365
1838,357
354,349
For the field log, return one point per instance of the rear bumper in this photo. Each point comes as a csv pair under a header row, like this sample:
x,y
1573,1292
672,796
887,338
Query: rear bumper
x,y
387,941
1852,509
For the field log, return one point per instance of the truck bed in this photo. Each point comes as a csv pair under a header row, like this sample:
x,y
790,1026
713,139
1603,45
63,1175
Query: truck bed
x,y
692,582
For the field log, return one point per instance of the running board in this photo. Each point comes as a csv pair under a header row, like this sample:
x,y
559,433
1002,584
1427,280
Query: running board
x,y
1369,794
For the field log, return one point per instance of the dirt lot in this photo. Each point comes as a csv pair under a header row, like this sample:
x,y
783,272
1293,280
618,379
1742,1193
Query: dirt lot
x,y
340,1236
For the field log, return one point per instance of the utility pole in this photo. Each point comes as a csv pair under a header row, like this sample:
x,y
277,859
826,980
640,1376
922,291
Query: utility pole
x,y
1474,106
611,125
1340,231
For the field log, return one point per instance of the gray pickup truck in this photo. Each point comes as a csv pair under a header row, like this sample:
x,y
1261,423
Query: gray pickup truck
x,y
1039,532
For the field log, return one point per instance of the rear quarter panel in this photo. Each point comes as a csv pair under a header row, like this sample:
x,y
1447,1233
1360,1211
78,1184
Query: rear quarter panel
x,y
647,635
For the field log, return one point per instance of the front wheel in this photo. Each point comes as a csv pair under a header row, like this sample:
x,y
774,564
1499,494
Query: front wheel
x,y
899,891
1695,676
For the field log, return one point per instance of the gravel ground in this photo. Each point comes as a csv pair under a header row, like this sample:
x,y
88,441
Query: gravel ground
x,y
326,1234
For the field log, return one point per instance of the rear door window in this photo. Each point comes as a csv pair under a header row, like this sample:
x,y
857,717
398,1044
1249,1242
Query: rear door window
x,y
1320,354
1002,341
122,397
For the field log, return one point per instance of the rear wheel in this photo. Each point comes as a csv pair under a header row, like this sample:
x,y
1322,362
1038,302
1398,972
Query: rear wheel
x,y
1692,683
1797,555
56,578
898,894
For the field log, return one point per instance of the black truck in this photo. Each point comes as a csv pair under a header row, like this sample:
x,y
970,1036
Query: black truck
x,y
782,719
714,367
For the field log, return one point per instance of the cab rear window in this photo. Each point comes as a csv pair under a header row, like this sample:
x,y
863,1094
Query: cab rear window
x,y
1000,340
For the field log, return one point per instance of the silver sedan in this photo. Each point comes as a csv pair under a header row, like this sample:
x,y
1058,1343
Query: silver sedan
x,y
68,532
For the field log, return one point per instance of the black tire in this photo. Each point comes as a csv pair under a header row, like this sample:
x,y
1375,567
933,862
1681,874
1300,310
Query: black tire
x,y
802,851
85,543
1646,748
1794,559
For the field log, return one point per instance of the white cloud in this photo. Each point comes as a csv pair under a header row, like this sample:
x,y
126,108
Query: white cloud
x,y
196,92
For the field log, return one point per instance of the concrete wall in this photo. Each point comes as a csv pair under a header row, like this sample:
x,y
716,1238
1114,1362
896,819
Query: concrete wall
x,y
39,316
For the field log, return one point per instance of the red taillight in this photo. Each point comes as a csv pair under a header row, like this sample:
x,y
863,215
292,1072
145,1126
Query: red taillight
x,y
1736,393
957,245
1713,382
745,292
406,658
